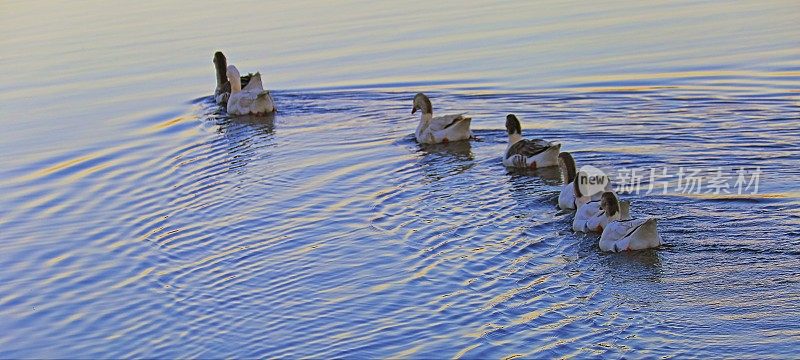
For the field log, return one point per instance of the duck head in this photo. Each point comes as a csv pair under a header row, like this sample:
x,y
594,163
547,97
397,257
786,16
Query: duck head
x,y
566,163
422,103
609,203
234,78
514,128
512,125
220,64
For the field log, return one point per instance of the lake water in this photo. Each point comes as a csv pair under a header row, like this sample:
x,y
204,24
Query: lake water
x,y
137,220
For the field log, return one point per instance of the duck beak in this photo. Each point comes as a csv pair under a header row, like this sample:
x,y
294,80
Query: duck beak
x,y
413,111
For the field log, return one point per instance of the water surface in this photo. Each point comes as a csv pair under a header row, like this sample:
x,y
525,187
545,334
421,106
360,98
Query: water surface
x,y
138,220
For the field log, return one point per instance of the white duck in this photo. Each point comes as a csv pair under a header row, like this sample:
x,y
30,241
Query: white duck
x,y
251,100
611,209
441,129
632,234
566,198
587,206
223,89
527,153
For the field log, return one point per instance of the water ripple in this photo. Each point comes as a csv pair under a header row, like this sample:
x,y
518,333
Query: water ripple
x,y
327,231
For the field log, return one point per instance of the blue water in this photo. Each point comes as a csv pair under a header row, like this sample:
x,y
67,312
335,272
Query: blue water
x,y
138,220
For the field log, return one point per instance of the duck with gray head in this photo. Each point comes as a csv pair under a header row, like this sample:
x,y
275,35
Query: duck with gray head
x,y
223,89
611,209
586,207
566,198
528,153
440,129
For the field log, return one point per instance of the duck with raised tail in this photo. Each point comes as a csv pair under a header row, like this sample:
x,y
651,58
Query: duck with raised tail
x,y
250,100
528,153
440,129
223,89
632,234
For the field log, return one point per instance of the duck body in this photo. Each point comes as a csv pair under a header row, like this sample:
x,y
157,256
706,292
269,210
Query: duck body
x,y
250,100
528,153
443,129
223,92
566,198
440,129
534,153
586,210
633,234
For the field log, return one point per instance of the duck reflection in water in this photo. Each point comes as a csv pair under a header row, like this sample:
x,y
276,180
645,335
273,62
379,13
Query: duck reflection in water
x,y
245,138
457,149
528,188
526,181
549,175
630,266
440,161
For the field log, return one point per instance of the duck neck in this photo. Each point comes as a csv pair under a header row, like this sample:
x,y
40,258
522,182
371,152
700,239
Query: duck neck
x,y
566,173
426,118
424,121
514,138
236,85
220,78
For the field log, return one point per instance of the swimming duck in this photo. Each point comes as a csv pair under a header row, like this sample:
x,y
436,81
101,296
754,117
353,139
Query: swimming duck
x,y
611,209
586,207
441,129
566,198
528,153
250,100
566,164
632,234
223,90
